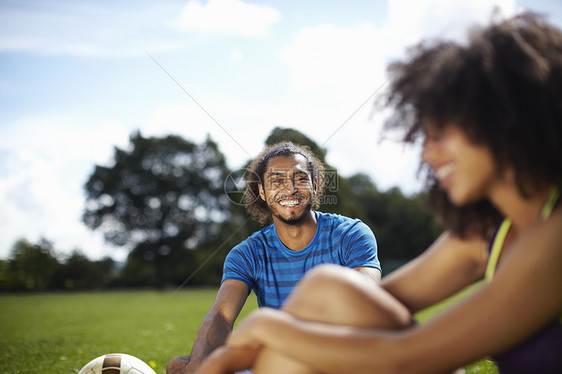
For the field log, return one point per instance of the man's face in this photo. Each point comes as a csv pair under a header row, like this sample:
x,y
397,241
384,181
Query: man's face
x,y
288,188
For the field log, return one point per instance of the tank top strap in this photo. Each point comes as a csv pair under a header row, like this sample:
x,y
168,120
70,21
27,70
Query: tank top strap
x,y
550,203
498,239
496,249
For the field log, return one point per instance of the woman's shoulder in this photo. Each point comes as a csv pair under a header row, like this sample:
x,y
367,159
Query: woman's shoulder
x,y
549,229
543,240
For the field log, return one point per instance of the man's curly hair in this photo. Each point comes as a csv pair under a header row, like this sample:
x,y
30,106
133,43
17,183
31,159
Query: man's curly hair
x,y
503,89
258,208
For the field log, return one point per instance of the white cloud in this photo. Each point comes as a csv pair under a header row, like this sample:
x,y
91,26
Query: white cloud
x,y
337,70
344,59
335,58
227,16
236,56
36,200
38,203
41,189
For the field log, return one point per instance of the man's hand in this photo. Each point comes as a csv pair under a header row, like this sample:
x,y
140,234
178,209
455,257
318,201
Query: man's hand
x,y
179,365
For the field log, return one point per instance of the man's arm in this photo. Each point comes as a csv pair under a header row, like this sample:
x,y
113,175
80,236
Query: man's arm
x,y
215,327
361,251
370,272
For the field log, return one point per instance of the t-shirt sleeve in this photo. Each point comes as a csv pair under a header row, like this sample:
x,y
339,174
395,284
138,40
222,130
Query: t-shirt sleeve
x,y
237,265
361,247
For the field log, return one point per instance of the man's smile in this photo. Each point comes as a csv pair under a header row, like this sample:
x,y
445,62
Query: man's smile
x,y
290,201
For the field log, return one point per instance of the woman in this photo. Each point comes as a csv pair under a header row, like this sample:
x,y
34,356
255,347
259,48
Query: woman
x,y
489,113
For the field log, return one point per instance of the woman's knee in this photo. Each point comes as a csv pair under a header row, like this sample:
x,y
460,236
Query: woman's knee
x,y
332,279
334,294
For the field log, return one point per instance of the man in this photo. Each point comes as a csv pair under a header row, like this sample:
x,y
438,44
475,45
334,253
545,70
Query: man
x,y
285,181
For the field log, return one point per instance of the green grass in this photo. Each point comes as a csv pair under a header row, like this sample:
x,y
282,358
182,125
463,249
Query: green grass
x,y
60,333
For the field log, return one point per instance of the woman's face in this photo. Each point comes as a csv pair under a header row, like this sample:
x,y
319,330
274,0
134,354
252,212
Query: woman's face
x,y
466,171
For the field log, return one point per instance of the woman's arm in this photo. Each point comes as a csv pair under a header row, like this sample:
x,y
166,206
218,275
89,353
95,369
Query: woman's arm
x,y
523,297
446,267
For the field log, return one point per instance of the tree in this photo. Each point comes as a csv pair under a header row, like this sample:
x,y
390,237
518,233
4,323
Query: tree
x,y
4,275
161,196
32,266
78,272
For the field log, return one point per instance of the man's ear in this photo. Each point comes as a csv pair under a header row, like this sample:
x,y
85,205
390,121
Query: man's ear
x,y
262,192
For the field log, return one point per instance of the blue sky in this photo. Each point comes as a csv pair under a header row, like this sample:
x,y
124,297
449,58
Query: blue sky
x,y
77,77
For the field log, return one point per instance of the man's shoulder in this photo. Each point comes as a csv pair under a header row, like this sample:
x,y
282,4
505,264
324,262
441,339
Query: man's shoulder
x,y
335,219
345,233
336,225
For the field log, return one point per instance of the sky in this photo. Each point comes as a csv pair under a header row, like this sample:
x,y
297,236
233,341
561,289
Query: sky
x,y
78,77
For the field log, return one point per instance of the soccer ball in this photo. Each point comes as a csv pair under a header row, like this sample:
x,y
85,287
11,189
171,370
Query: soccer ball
x,y
116,363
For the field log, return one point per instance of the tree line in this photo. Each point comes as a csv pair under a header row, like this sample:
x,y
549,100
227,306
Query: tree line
x,y
179,209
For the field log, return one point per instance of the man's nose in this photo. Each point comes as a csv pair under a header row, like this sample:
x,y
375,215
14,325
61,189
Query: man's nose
x,y
290,186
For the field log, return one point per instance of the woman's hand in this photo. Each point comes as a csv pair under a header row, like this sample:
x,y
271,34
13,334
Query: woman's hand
x,y
228,360
242,346
250,332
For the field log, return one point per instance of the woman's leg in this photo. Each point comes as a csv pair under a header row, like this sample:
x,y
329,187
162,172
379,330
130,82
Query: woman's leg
x,y
332,294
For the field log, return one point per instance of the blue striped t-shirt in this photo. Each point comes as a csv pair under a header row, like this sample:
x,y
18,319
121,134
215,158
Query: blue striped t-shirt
x,y
272,270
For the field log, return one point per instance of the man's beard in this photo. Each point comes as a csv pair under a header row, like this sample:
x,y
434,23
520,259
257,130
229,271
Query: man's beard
x,y
297,220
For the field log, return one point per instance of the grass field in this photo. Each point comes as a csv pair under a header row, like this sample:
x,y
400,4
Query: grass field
x,y
60,333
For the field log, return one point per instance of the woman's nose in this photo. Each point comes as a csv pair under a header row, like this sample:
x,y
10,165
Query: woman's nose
x,y
428,151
